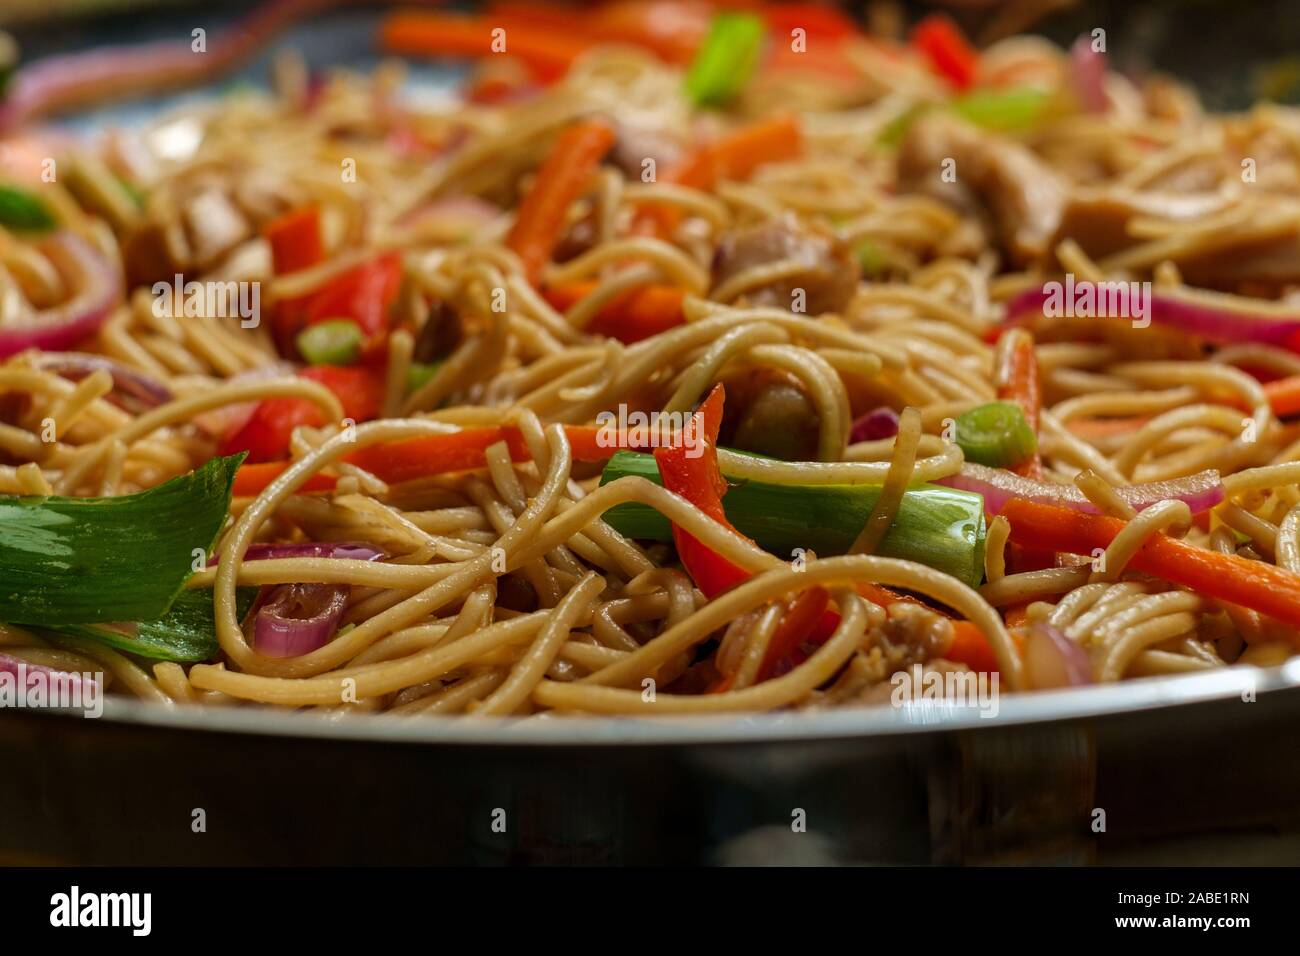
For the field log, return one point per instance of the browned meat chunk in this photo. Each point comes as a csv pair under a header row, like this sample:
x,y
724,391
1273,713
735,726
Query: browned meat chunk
x,y
1098,219
827,271
991,177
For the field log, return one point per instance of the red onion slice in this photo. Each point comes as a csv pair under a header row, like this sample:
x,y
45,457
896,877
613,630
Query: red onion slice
x,y
298,618
134,390
1088,75
1053,660
1208,315
876,424
1201,491
97,285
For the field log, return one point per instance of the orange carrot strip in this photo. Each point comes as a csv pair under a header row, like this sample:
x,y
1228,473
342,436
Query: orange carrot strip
x,y
1262,587
547,52
563,176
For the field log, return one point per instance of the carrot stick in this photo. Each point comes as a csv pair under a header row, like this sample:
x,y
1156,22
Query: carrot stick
x,y
1017,381
1227,577
253,477
636,315
734,156
563,176
547,52
295,240
1284,396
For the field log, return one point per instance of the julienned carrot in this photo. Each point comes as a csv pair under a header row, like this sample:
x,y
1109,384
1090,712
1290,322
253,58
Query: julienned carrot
x,y
440,454
1284,396
253,477
1227,577
733,156
739,153
548,53
563,176
1017,381
638,314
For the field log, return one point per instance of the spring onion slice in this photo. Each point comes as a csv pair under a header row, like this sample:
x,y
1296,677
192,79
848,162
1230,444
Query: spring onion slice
x,y
186,633
21,210
996,435
95,560
726,60
333,342
933,526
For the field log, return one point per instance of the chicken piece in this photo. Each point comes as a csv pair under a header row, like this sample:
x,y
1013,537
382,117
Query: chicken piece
x,y
827,273
992,177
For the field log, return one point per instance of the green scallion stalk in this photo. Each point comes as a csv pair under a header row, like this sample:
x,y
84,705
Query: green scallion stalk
x,y
939,527
996,435
726,60
332,342
95,560
420,373
186,633
20,210
1001,111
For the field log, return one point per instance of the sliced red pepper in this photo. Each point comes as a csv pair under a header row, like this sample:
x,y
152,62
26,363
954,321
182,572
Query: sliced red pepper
x,y
947,49
295,240
364,294
693,474
266,435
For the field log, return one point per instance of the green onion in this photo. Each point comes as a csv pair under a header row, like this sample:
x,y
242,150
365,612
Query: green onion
x,y
187,632
1006,111
870,258
726,60
19,209
939,527
91,560
995,435
333,342
420,373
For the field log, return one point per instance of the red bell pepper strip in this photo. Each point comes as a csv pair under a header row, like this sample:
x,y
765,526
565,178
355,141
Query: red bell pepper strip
x,y
947,49
295,240
693,474
363,294
253,477
267,433
637,314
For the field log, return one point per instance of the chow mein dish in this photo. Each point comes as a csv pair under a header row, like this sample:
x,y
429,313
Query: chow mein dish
x,y
686,360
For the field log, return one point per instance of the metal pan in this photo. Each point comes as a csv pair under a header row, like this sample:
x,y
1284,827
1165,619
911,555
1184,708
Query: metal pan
x,y
1195,769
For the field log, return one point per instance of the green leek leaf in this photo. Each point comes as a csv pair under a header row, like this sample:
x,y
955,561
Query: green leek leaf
x,y
93,560
186,633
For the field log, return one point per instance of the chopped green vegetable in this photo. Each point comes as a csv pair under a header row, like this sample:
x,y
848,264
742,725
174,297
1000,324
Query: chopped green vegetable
x,y
186,633
1003,111
939,527
333,342
1006,110
871,260
996,435
726,59
19,209
92,560
420,373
